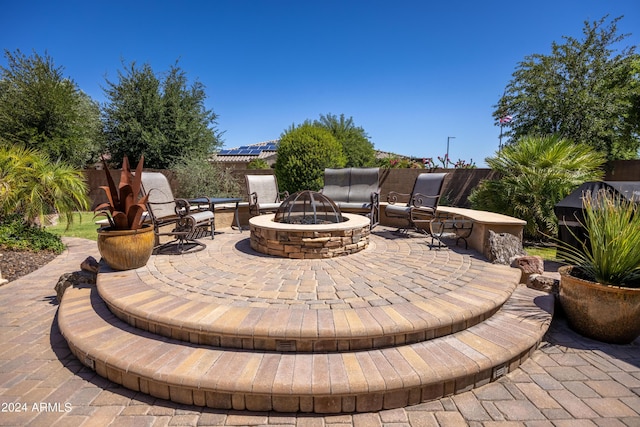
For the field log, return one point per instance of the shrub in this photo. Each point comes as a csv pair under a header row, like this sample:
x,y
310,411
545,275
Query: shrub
x,y
17,234
196,177
258,164
303,154
535,173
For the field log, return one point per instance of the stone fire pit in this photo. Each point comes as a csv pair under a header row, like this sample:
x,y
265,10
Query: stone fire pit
x,y
309,240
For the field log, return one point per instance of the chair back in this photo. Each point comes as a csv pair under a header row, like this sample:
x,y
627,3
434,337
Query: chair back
x,y
428,184
265,187
364,181
336,184
161,203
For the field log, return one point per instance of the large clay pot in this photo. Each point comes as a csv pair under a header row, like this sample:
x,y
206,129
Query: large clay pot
x,y
605,313
126,249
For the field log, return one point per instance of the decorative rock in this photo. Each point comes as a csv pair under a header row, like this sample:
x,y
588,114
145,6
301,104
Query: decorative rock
x,y
528,265
90,264
75,278
503,247
544,284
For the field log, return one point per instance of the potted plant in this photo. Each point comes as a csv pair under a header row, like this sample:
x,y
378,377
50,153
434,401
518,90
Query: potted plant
x,y
126,243
600,291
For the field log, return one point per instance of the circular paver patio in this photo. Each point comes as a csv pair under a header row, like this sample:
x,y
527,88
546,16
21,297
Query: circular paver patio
x,y
570,380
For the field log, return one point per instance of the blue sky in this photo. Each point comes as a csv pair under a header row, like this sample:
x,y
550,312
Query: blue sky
x,y
411,73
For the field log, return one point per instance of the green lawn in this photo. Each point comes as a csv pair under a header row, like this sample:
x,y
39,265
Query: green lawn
x,y
83,226
547,253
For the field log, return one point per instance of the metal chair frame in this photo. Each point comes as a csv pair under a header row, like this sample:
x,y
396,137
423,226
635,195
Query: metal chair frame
x,y
188,223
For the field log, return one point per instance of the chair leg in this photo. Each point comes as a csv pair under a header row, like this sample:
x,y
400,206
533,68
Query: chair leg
x,y
180,245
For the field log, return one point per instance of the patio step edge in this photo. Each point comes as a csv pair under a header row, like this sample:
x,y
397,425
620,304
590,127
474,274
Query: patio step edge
x,y
143,306
349,381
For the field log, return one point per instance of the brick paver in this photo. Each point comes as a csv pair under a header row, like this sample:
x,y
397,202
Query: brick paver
x,y
40,378
226,295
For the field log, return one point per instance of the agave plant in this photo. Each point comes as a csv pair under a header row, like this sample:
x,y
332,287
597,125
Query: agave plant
x,y
125,206
610,256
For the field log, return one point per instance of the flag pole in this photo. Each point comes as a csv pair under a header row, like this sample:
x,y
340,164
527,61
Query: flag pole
x,y
501,118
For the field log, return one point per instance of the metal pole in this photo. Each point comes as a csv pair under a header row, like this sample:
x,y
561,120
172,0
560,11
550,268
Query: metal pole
x,y
447,155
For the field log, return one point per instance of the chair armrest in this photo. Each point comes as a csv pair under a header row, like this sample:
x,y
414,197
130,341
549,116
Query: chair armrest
x,y
419,199
393,197
183,207
253,199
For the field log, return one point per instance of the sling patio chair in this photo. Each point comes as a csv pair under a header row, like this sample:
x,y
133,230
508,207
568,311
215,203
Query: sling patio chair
x,y
175,217
263,193
420,207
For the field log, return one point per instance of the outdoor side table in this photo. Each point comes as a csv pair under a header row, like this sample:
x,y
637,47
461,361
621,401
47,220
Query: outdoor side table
x,y
212,201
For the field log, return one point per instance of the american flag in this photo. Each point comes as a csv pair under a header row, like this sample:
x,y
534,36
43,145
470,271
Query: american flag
x,y
505,119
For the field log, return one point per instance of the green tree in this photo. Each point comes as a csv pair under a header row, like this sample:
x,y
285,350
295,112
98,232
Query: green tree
x,y
584,90
163,119
535,173
354,140
304,152
258,164
40,108
34,186
196,177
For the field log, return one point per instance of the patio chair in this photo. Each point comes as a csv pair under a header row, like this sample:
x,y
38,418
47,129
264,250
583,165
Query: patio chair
x,y
263,194
420,209
175,217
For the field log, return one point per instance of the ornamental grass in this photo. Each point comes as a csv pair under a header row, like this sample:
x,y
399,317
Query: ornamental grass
x,y
611,254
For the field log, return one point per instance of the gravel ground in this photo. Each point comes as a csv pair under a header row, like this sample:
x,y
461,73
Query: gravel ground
x,y
15,264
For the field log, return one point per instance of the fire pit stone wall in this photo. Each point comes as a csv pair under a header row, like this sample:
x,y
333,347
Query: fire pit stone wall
x,y
304,241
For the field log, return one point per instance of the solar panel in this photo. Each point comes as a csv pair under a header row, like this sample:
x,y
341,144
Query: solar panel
x,y
250,150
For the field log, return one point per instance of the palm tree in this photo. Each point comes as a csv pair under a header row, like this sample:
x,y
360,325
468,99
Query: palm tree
x,y
32,185
354,140
15,164
534,174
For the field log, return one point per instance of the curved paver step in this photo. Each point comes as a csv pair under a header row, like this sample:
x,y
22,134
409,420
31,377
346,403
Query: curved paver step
x,y
307,382
395,292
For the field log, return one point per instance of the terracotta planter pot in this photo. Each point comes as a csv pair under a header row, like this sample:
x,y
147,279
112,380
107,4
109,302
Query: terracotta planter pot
x,y
126,249
605,313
